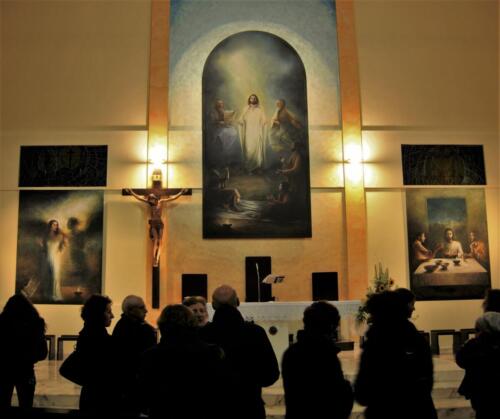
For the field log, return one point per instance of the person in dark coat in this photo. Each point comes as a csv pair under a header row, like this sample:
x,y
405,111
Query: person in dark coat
x,y
22,331
250,360
480,357
312,375
179,377
132,335
98,353
395,376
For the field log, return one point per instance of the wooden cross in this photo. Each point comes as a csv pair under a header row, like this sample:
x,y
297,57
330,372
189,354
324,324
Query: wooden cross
x,y
155,197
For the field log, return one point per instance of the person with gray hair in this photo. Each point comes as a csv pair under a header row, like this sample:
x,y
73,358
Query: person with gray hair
x,y
225,295
133,335
198,306
480,357
249,356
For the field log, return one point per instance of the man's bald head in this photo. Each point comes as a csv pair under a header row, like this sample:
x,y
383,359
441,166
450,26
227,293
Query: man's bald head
x,y
133,306
224,295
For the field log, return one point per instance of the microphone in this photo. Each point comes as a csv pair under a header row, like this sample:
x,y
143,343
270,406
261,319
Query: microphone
x,y
258,281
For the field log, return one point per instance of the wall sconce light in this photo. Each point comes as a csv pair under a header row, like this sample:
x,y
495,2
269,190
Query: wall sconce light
x,y
353,163
353,154
157,156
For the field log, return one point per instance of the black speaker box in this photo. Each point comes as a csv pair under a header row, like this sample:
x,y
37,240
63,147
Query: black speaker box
x,y
325,286
194,285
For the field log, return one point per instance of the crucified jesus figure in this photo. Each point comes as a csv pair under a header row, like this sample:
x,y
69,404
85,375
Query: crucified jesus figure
x,y
156,225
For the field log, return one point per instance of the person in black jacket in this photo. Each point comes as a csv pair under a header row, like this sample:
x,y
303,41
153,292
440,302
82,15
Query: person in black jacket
x,y
480,357
133,335
179,377
22,331
492,300
250,360
395,376
312,375
99,394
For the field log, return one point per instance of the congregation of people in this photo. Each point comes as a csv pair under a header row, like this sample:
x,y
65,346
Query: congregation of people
x,y
201,368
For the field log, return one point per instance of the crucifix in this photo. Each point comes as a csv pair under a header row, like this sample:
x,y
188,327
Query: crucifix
x,y
156,197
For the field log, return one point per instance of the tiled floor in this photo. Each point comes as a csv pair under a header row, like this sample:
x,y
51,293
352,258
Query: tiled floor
x,y
54,391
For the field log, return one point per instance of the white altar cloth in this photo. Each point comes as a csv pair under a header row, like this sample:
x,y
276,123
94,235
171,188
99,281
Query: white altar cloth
x,y
287,311
281,320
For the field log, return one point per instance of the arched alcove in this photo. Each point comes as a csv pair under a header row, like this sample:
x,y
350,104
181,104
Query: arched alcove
x,y
255,139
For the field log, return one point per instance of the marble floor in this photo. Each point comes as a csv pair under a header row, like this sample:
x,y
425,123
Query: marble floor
x,y
54,391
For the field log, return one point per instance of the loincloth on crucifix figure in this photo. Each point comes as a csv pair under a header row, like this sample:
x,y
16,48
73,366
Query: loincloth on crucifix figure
x,y
156,225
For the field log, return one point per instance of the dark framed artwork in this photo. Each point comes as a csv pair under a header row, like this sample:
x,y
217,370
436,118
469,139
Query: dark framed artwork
x,y
443,164
63,165
448,243
255,140
59,245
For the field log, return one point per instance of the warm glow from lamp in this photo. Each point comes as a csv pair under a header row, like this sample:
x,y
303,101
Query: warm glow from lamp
x,y
367,152
353,163
157,156
353,154
354,172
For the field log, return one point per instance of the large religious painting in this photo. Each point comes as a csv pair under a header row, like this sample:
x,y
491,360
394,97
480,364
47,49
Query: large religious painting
x,y
63,165
255,140
448,243
59,248
443,164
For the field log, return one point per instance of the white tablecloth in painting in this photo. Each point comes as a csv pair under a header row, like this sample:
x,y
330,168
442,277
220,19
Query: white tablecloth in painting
x,y
468,272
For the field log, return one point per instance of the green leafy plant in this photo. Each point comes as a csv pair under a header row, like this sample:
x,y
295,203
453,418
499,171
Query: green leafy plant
x,y
381,282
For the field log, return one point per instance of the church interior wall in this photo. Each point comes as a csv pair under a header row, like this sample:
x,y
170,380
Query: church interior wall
x,y
77,73
435,82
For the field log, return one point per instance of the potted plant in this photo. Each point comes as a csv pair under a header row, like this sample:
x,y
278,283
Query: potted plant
x,y
381,282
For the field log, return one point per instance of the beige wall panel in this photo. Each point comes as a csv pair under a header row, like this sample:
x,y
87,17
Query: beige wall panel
x,y
224,260
185,159
74,63
382,153
8,223
325,157
387,243
387,234
126,241
430,63
127,151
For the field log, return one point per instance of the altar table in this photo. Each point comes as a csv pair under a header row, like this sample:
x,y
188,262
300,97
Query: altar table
x,y
281,319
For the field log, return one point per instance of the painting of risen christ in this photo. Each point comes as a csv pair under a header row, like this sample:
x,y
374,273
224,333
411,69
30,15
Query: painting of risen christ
x,y
255,140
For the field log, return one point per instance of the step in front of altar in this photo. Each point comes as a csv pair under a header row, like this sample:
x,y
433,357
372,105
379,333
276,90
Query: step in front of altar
x,y
53,391
447,409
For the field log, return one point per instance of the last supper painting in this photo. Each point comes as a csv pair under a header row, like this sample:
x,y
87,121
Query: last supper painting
x,y
448,243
